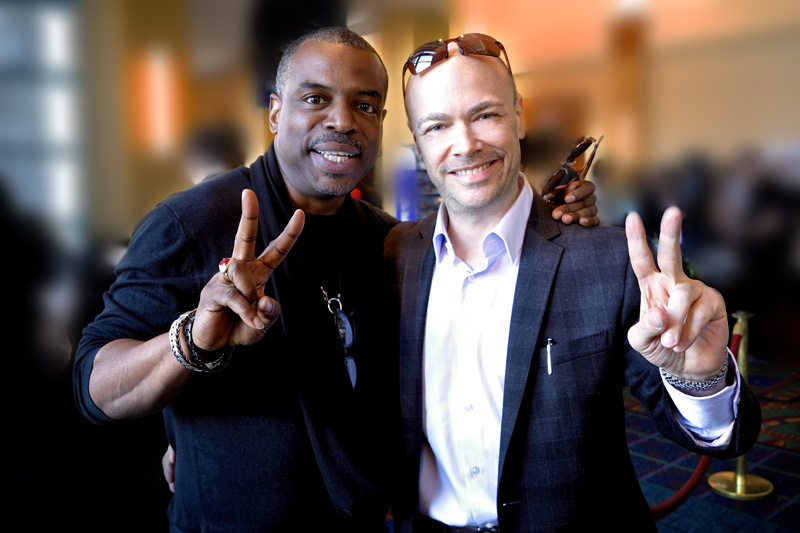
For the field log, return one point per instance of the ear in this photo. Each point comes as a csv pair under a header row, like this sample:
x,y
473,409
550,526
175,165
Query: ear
x,y
274,112
520,118
416,149
413,136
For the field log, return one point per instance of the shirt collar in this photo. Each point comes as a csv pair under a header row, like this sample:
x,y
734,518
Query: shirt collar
x,y
510,230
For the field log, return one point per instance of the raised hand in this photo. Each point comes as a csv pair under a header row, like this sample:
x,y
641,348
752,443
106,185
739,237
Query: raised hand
x,y
579,205
683,326
237,312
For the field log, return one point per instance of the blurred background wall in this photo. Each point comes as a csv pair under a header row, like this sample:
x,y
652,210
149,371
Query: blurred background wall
x,y
101,100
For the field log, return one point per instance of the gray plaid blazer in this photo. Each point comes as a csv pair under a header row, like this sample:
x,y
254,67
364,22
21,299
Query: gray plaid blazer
x,y
564,460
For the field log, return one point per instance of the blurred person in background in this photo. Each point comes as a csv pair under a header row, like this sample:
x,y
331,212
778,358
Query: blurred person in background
x,y
755,214
367,191
279,414
740,232
614,200
40,478
755,220
210,150
57,456
542,152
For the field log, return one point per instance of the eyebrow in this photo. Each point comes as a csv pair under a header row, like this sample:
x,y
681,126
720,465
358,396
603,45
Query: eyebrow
x,y
313,85
432,117
477,108
369,92
316,85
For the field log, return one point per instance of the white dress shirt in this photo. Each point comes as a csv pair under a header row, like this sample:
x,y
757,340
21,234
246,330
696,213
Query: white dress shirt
x,y
464,363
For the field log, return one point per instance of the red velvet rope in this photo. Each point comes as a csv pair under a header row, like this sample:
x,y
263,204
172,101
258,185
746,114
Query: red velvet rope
x,y
736,338
664,508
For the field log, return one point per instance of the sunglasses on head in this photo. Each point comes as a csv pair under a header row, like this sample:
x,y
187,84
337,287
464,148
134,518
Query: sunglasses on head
x,y
429,54
556,187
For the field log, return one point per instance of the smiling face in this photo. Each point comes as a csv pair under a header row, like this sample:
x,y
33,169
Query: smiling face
x,y
327,123
467,123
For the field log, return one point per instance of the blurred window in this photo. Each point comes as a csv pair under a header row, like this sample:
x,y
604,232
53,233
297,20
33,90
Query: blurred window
x,y
39,129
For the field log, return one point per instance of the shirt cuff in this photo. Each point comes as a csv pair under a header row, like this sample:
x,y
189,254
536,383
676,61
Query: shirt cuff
x,y
708,420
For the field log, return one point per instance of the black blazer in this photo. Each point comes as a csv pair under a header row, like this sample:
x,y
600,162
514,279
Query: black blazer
x,y
564,460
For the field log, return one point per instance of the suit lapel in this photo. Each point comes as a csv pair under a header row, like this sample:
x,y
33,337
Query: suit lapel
x,y
418,272
538,265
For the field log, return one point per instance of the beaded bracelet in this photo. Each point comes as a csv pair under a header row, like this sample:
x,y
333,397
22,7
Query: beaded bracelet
x,y
697,384
194,362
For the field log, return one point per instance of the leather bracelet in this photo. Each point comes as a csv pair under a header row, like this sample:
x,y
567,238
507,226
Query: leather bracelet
x,y
193,361
697,384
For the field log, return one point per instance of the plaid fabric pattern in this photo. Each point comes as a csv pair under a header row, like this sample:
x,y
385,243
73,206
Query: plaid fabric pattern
x,y
564,462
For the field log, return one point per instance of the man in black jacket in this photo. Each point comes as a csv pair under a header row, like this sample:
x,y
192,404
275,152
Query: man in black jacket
x,y
272,438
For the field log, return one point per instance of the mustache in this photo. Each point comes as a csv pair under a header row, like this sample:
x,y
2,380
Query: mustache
x,y
335,137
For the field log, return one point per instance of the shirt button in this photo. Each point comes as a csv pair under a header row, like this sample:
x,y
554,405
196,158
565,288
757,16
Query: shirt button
x,y
471,279
468,407
475,470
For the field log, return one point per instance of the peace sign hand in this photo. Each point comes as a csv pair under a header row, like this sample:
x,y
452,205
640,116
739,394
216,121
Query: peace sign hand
x,y
237,312
683,326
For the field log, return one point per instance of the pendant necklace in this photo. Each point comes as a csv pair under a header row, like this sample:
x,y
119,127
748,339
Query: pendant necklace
x,y
346,331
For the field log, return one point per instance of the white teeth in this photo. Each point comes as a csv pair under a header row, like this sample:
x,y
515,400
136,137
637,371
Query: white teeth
x,y
335,157
472,170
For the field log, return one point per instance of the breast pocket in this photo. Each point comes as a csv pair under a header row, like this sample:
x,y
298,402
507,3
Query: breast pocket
x,y
562,352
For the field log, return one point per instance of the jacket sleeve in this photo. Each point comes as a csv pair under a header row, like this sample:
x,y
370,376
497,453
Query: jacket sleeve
x,y
156,281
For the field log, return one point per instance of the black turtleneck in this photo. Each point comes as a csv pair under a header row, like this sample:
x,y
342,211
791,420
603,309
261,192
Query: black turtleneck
x,y
280,440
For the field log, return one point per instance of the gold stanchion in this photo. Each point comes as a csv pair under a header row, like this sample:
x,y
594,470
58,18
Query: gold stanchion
x,y
740,485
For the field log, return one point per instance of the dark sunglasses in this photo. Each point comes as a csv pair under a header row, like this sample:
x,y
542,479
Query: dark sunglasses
x,y
556,187
429,54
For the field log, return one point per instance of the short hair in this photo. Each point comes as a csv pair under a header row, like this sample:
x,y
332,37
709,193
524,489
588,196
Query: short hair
x,y
333,35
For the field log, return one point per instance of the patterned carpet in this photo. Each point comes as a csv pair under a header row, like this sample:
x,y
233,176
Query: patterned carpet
x,y
778,391
663,467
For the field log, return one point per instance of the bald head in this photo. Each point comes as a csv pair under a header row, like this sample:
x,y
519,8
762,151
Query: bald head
x,y
454,53
451,78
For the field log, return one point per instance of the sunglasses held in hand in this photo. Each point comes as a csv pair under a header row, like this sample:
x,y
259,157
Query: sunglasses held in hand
x,y
556,187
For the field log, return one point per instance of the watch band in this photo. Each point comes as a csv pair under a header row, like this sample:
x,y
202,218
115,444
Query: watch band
x,y
697,384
